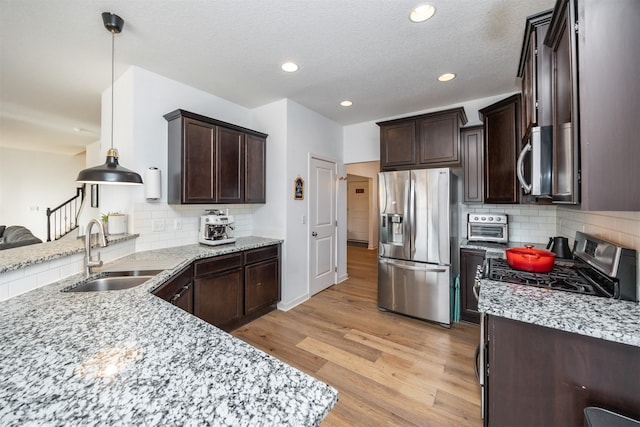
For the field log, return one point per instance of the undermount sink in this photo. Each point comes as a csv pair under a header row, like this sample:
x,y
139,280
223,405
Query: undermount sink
x,y
115,281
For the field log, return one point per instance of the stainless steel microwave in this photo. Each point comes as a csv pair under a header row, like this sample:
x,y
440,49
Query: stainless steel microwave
x,y
534,168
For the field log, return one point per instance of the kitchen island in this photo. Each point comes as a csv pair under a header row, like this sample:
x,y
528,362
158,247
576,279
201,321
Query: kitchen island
x,y
130,358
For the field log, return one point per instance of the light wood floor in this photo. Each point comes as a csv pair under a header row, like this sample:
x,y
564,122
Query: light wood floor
x,y
388,369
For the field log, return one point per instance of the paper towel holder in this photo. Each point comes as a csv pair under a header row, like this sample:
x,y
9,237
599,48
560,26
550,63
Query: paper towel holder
x,y
152,184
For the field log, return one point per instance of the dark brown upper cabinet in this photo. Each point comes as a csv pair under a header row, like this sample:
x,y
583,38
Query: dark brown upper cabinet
x,y
502,137
535,71
424,141
595,103
254,169
473,163
210,161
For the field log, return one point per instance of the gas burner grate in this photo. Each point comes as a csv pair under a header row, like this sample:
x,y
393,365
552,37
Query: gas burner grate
x,y
562,278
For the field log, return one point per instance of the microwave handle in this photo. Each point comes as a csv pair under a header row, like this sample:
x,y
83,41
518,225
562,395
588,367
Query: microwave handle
x,y
520,168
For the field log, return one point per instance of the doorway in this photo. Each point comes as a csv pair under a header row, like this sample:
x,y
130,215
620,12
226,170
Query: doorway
x,y
358,190
358,173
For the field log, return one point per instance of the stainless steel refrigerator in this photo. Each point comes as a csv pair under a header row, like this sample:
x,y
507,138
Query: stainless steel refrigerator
x,y
418,242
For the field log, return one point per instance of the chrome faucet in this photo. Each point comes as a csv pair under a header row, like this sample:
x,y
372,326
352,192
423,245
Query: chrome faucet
x,y
102,242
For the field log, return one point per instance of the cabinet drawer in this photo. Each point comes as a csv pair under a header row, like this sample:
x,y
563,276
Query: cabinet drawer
x,y
219,263
257,255
174,285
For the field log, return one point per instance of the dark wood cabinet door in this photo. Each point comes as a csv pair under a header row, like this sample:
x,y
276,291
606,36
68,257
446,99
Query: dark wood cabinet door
x,y
261,285
199,157
535,71
546,377
254,169
398,145
470,259
229,165
501,138
439,140
473,163
219,298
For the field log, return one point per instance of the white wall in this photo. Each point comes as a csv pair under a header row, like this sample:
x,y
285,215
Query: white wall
x,y
31,182
142,98
309,133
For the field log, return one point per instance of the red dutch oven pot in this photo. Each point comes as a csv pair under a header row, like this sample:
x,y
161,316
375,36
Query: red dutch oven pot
x,y
529,259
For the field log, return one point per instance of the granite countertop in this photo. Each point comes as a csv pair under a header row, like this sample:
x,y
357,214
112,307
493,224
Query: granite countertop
x,y
24,256
598,317
130,358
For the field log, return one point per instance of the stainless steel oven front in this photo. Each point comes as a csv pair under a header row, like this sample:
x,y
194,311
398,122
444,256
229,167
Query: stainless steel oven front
x,y
488,227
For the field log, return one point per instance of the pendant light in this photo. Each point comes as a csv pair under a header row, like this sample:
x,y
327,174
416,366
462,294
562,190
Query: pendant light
x,y
110,172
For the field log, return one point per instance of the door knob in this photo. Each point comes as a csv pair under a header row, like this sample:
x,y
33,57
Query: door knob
x,y
314,234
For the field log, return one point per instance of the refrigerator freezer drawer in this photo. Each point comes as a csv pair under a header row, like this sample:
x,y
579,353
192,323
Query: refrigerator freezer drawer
x,y
415,289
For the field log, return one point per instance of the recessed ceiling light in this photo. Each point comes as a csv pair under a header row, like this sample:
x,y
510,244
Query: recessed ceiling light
x,y
290,67
422,13
346,103
446,77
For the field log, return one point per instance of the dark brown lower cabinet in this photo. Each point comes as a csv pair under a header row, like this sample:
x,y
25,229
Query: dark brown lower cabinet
x,y
470,259
231,290
261,280
219,290
539,376
179,290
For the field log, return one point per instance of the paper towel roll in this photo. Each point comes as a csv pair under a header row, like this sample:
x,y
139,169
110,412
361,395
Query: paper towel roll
x,y
152,184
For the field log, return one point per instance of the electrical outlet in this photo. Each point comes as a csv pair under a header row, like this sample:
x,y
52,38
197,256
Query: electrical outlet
x,y
177,224
157,225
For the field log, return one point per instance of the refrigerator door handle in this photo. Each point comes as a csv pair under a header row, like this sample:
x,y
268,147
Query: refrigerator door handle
x,y
410,209
412,267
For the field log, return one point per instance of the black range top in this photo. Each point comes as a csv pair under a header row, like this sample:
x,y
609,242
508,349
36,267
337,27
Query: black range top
x,y
565,276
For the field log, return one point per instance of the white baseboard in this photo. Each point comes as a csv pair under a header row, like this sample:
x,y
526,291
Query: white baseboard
x,y
288,305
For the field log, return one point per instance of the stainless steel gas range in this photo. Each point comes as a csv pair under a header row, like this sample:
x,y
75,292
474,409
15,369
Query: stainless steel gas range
x,y
598,268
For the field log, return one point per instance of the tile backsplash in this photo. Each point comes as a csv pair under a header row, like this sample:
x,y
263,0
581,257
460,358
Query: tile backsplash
x,y
161,226
622,228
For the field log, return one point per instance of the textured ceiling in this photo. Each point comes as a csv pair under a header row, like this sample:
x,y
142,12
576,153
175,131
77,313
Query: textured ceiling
x,y
55,57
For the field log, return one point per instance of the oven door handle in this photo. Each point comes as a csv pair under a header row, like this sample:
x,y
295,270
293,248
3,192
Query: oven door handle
x,y
476,290
476,365
520,169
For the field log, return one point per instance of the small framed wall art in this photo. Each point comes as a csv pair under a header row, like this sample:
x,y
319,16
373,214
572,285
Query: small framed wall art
x,y
298,188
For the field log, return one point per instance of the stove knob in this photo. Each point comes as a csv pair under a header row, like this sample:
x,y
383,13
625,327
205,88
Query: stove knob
x,y
483,218
490,218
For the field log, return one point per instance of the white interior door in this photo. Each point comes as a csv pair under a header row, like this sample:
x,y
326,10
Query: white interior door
x,y
322,225
358,209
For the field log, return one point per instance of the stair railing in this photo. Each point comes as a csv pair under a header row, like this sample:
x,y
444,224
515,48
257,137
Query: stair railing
x,y
63,219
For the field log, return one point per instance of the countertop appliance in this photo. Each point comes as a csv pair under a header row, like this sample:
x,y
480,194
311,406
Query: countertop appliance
x,y
417,254
483,227
560,246
216,228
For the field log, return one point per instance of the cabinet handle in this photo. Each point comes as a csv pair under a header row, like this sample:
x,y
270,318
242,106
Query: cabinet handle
x,y
520,169
177,296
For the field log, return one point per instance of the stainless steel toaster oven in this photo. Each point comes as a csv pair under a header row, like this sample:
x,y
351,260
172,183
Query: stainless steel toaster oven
x,y
488,228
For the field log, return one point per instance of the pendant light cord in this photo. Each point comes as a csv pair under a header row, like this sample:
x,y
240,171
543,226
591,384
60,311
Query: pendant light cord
x,y
113,49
